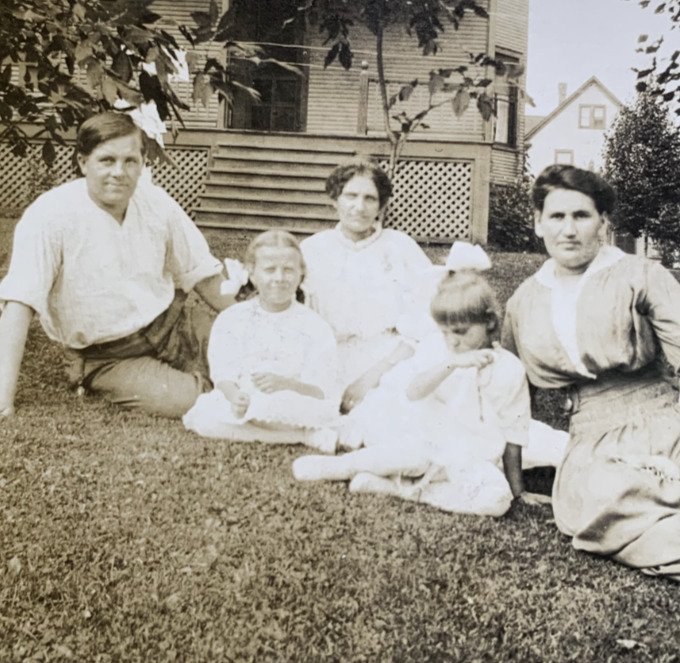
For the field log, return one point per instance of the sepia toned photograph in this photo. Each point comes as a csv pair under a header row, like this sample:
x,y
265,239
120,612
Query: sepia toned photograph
x,y
339,330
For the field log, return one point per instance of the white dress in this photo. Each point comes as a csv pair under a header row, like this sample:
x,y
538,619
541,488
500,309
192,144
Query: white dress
x,y
373,293
246,339
469,417
455,437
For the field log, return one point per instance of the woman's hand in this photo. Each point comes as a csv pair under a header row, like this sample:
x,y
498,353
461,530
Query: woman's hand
x,y
239,403
270,382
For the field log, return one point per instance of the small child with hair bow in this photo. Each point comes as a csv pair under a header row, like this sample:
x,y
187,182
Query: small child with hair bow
x,y
446,427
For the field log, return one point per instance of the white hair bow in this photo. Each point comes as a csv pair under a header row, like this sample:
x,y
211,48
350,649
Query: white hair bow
x,y
237,277
464,255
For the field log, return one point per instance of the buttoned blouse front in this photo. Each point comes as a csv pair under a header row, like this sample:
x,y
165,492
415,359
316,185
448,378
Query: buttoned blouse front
x,y
92,279
625,313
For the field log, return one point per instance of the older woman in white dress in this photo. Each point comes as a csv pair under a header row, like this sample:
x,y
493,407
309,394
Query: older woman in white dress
x,y
366,281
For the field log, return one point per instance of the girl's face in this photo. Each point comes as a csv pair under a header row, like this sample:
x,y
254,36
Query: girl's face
x,y
276,275
464,337
571,228
358,205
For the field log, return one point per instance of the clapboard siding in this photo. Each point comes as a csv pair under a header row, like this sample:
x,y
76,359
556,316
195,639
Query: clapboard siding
x,y
333,97
512,25
505,165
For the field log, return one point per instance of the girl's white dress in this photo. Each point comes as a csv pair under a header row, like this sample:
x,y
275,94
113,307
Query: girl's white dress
x,y
470,416
294,343
456,436
373,292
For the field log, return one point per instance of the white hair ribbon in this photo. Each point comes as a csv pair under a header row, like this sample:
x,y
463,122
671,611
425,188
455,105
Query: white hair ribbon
x,y
237,277
464,255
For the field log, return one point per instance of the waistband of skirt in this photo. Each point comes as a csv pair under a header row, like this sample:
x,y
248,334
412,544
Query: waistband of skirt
x,y
617,398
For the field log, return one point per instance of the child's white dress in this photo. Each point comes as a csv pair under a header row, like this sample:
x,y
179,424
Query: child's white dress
x,y
456,435
295,343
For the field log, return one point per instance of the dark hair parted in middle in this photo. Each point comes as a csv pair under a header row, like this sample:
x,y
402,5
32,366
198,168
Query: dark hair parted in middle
x,y
561,176
344,172
106,126
465,297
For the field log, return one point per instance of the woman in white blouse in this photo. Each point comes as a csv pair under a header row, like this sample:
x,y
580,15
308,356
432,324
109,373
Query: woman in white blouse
x,y
366,281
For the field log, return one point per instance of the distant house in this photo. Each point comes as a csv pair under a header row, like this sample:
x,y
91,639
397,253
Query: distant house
x,y
574,132
259,165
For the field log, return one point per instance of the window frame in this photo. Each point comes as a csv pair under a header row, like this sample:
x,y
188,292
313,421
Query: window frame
x,y
569,153
591,122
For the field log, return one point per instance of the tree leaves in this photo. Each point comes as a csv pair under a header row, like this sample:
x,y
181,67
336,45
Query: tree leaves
x,y
460,101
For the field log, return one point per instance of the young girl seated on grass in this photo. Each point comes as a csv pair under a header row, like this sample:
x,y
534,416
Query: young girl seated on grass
x,y
446,427
272,360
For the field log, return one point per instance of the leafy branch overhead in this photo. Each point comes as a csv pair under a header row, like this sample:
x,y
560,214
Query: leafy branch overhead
x,y
63,60
662,77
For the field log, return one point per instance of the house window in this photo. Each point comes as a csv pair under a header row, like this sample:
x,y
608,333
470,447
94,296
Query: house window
x,y
505,131
564,157
591,117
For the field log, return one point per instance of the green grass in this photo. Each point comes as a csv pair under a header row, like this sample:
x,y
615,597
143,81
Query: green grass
x,y
125,538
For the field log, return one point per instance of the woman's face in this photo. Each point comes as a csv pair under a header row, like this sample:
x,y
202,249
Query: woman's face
x,y
571,228
358,205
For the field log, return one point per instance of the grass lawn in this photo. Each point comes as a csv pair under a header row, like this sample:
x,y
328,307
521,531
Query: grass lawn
x,y
126,538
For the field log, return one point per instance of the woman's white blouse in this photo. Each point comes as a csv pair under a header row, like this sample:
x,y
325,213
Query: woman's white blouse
x,y
365,288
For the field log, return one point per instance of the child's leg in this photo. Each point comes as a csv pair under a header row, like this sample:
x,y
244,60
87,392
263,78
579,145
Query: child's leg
x,y
379,461
485,493
481,489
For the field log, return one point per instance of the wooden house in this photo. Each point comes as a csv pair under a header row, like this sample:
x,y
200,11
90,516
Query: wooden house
x,y
260,165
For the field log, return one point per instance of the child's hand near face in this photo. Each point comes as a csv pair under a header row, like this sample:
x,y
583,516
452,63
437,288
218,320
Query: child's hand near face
x,y
470,359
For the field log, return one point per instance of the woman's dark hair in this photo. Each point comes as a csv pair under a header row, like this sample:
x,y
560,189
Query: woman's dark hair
x,y
105,126
344,172
465,297
561,176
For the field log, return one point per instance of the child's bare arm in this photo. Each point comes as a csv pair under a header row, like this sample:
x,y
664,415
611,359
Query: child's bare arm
x,y
512,466
426,382
271,382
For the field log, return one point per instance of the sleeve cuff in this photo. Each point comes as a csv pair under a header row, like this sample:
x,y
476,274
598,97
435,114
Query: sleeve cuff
x,y
208,268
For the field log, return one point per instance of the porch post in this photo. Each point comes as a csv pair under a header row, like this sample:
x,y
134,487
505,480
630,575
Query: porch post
x,y
362,116
479,207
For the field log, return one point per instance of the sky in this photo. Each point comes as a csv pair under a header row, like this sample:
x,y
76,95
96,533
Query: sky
x,y
572,40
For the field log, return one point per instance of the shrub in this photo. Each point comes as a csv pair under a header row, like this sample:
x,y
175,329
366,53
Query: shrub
x,y
511,214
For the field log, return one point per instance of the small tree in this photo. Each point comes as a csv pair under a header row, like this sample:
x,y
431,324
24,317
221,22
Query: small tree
x,y
425,20
642,162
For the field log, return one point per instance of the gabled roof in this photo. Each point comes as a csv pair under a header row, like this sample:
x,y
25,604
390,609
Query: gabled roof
x,y
593,80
